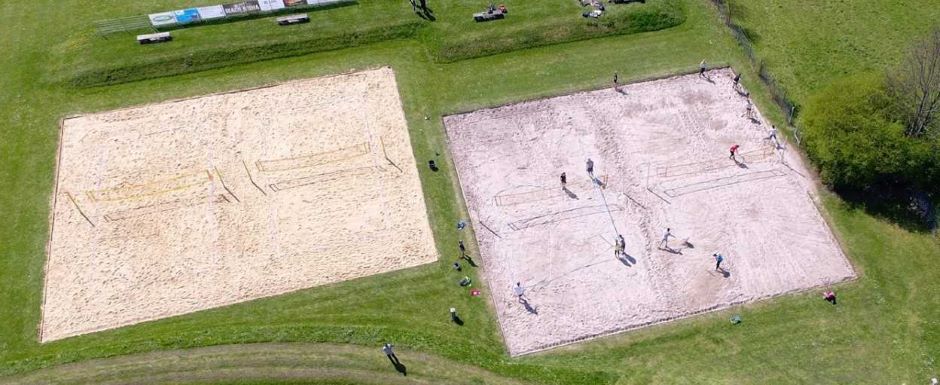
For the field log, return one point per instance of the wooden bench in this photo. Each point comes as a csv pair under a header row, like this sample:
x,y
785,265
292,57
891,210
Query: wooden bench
x,y
293,19
154,38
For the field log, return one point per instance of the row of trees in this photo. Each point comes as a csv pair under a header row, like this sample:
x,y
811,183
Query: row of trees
x,y
872,131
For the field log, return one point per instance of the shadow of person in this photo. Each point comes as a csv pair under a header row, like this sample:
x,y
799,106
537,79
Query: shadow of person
x,y
429,15
624,261
724,273
671,250
629,259
528,307
754,120
688,244
570,193
457,320
401,368
469,260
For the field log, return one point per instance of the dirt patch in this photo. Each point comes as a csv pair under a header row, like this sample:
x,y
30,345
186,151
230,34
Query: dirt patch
x,y
661,160
186,205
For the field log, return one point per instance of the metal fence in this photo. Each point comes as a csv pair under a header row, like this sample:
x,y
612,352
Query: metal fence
x,y
777,92
105,28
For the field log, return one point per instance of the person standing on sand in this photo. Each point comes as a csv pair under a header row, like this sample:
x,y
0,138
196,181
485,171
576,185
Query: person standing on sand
x,y
616,83
564,181
701,68
737,78
718,259
665,241
519,291
590,167
621,246
773,133
734,151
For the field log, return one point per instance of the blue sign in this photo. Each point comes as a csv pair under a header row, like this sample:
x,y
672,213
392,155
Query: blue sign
x,y
186,16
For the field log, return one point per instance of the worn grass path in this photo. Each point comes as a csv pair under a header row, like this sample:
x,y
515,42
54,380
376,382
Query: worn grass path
x,y
265,363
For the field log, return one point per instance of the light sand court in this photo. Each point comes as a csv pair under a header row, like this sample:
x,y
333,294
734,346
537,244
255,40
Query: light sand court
x,y
661,159
187,205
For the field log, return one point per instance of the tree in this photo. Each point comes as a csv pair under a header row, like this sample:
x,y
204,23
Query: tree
x,y
915,88
851,138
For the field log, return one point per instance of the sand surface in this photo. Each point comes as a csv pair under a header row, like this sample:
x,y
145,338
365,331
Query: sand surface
x,y
186,205
661,151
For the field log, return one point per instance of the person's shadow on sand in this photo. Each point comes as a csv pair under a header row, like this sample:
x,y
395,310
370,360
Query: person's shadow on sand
x,y
528,307
627,260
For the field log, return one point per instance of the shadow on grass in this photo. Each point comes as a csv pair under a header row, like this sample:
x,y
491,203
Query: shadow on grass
x,y
908,209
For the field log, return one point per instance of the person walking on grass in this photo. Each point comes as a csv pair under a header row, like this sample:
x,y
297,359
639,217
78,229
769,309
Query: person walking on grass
x,y
718,259
664,243
734,151
463,249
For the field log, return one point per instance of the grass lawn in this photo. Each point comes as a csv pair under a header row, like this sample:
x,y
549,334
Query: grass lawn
x,y
807,44
884,330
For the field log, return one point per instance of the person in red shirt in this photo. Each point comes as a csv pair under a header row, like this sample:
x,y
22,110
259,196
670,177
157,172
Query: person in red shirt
x,y
734,150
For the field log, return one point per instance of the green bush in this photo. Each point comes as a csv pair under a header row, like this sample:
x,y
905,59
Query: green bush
x,y
850,136
856,142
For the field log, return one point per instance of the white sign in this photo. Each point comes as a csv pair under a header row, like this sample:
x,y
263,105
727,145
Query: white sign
x,y
162,19
211,12
271,5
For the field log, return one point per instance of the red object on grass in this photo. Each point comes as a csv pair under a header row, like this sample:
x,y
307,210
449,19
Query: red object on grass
x,y
474,292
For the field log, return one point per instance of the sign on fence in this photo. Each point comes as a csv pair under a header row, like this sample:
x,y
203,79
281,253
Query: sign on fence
x,y
271,5
186,16
211,12
241,8
198,14
162,19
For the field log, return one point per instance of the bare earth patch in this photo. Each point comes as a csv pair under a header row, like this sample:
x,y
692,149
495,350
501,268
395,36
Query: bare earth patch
x,y
187,205
661,154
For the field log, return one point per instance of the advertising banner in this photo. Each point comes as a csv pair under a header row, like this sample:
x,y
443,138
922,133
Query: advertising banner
x,y
162,19
211,12
294,3
271,5
186,16
242,8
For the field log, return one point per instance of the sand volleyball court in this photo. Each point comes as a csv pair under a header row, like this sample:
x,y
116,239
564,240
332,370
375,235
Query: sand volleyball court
x,y
661,160
186,205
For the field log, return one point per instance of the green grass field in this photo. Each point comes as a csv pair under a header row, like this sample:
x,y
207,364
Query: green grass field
x,y
886,328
